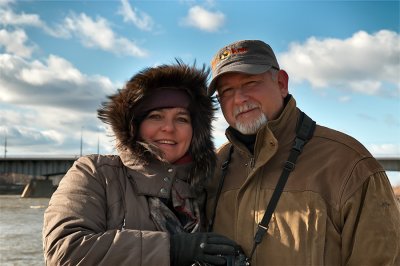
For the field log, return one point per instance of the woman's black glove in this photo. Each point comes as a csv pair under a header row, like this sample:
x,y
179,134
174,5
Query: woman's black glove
x,y
202,247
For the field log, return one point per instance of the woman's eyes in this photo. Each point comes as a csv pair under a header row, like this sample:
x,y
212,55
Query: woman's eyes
x,y
183,119
178,118
154,116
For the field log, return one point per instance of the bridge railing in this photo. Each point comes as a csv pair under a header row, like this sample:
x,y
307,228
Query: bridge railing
x,y
52,166
35,166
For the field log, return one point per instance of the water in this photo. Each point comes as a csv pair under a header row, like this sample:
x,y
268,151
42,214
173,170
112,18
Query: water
x,y
21,221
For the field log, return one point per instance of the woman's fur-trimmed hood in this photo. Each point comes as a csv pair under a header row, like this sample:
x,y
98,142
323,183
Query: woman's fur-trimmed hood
x,y
118,113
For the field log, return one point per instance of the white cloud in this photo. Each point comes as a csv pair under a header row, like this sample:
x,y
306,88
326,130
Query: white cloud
x,y
364,63
44,103
203,19
98,33
15,42
57,69
55,82
43,106
8,17
92,33
22,128
140,19
382,150
219,127
28,141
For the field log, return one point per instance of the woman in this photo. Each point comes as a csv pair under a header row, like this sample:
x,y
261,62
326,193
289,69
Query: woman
x,y
137,208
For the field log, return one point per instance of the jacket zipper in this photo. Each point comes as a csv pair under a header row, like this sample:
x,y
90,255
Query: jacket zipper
x,y
123,225
252,162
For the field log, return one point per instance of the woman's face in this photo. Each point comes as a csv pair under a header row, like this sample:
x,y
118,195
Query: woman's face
x,y
170,129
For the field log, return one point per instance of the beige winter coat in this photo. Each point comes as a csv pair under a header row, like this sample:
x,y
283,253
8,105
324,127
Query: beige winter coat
x,y
337,208
99,214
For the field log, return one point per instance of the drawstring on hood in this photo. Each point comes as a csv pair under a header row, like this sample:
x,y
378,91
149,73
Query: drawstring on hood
x,y
119,113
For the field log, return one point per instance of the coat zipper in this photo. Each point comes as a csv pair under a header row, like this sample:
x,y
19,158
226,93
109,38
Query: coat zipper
x,y
252,162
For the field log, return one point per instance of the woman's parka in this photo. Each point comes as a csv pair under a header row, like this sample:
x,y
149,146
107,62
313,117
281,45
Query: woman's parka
x,y
100,213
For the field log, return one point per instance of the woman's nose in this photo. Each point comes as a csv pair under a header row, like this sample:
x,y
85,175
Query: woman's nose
x,y
168,126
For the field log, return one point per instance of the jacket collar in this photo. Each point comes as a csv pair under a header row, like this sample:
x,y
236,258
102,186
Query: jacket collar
x,y
275,133
156,178
284,127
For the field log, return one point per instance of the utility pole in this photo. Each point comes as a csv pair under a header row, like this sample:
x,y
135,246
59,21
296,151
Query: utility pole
x,y
98,144
5,143
81,141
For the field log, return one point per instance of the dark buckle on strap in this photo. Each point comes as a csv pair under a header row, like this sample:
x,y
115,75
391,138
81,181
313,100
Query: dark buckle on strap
x,y
260,233
289,166
298,144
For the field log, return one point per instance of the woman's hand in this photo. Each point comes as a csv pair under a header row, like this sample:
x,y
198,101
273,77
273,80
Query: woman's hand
x,y
200,247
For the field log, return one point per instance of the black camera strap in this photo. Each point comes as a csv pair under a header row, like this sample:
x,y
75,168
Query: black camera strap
x,y
224,168
304,132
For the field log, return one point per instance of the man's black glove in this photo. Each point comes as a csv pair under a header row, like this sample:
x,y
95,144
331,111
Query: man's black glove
x,y
202,247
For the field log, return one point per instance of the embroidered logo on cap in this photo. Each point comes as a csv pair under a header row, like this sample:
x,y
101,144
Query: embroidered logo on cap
x,y
226,54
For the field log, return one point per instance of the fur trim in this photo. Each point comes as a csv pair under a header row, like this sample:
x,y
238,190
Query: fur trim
x,y
118,112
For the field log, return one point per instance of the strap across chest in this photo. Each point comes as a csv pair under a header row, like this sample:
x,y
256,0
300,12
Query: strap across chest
x,y
304,132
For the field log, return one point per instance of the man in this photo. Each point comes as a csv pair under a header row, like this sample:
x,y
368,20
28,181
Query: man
x,y
337,207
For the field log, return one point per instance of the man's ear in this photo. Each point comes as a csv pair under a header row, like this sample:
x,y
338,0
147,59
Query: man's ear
x,y
283,82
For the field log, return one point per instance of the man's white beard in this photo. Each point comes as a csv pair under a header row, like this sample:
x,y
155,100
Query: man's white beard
x,y
251,127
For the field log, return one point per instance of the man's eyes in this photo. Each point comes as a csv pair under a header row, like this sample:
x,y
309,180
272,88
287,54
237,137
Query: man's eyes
x,y
230,91
251,84
226,92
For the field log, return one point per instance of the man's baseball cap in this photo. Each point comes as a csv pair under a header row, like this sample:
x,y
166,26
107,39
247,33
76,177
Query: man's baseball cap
x,y
246,56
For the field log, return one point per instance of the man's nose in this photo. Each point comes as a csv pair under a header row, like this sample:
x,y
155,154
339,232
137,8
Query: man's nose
x,y
239,96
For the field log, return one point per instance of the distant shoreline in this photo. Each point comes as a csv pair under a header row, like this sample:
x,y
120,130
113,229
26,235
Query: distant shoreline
x,y
11,189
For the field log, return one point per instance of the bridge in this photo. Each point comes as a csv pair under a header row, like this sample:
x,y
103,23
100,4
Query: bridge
x,y
36,166
31,176
46,167
390,163
42,169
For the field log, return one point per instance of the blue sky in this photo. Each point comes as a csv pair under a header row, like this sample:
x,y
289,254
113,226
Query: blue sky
x,y
59,60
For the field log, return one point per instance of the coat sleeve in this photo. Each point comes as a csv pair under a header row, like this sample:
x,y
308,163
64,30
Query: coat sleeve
x,y
75,227
371,224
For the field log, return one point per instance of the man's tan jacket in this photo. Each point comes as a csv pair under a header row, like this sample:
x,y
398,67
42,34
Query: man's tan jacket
x,y
337,208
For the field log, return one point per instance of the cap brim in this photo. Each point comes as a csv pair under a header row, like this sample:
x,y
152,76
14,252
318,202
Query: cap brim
x,y
242,68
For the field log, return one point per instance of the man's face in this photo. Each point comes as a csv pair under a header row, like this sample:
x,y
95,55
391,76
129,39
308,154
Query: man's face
x,y
248,101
